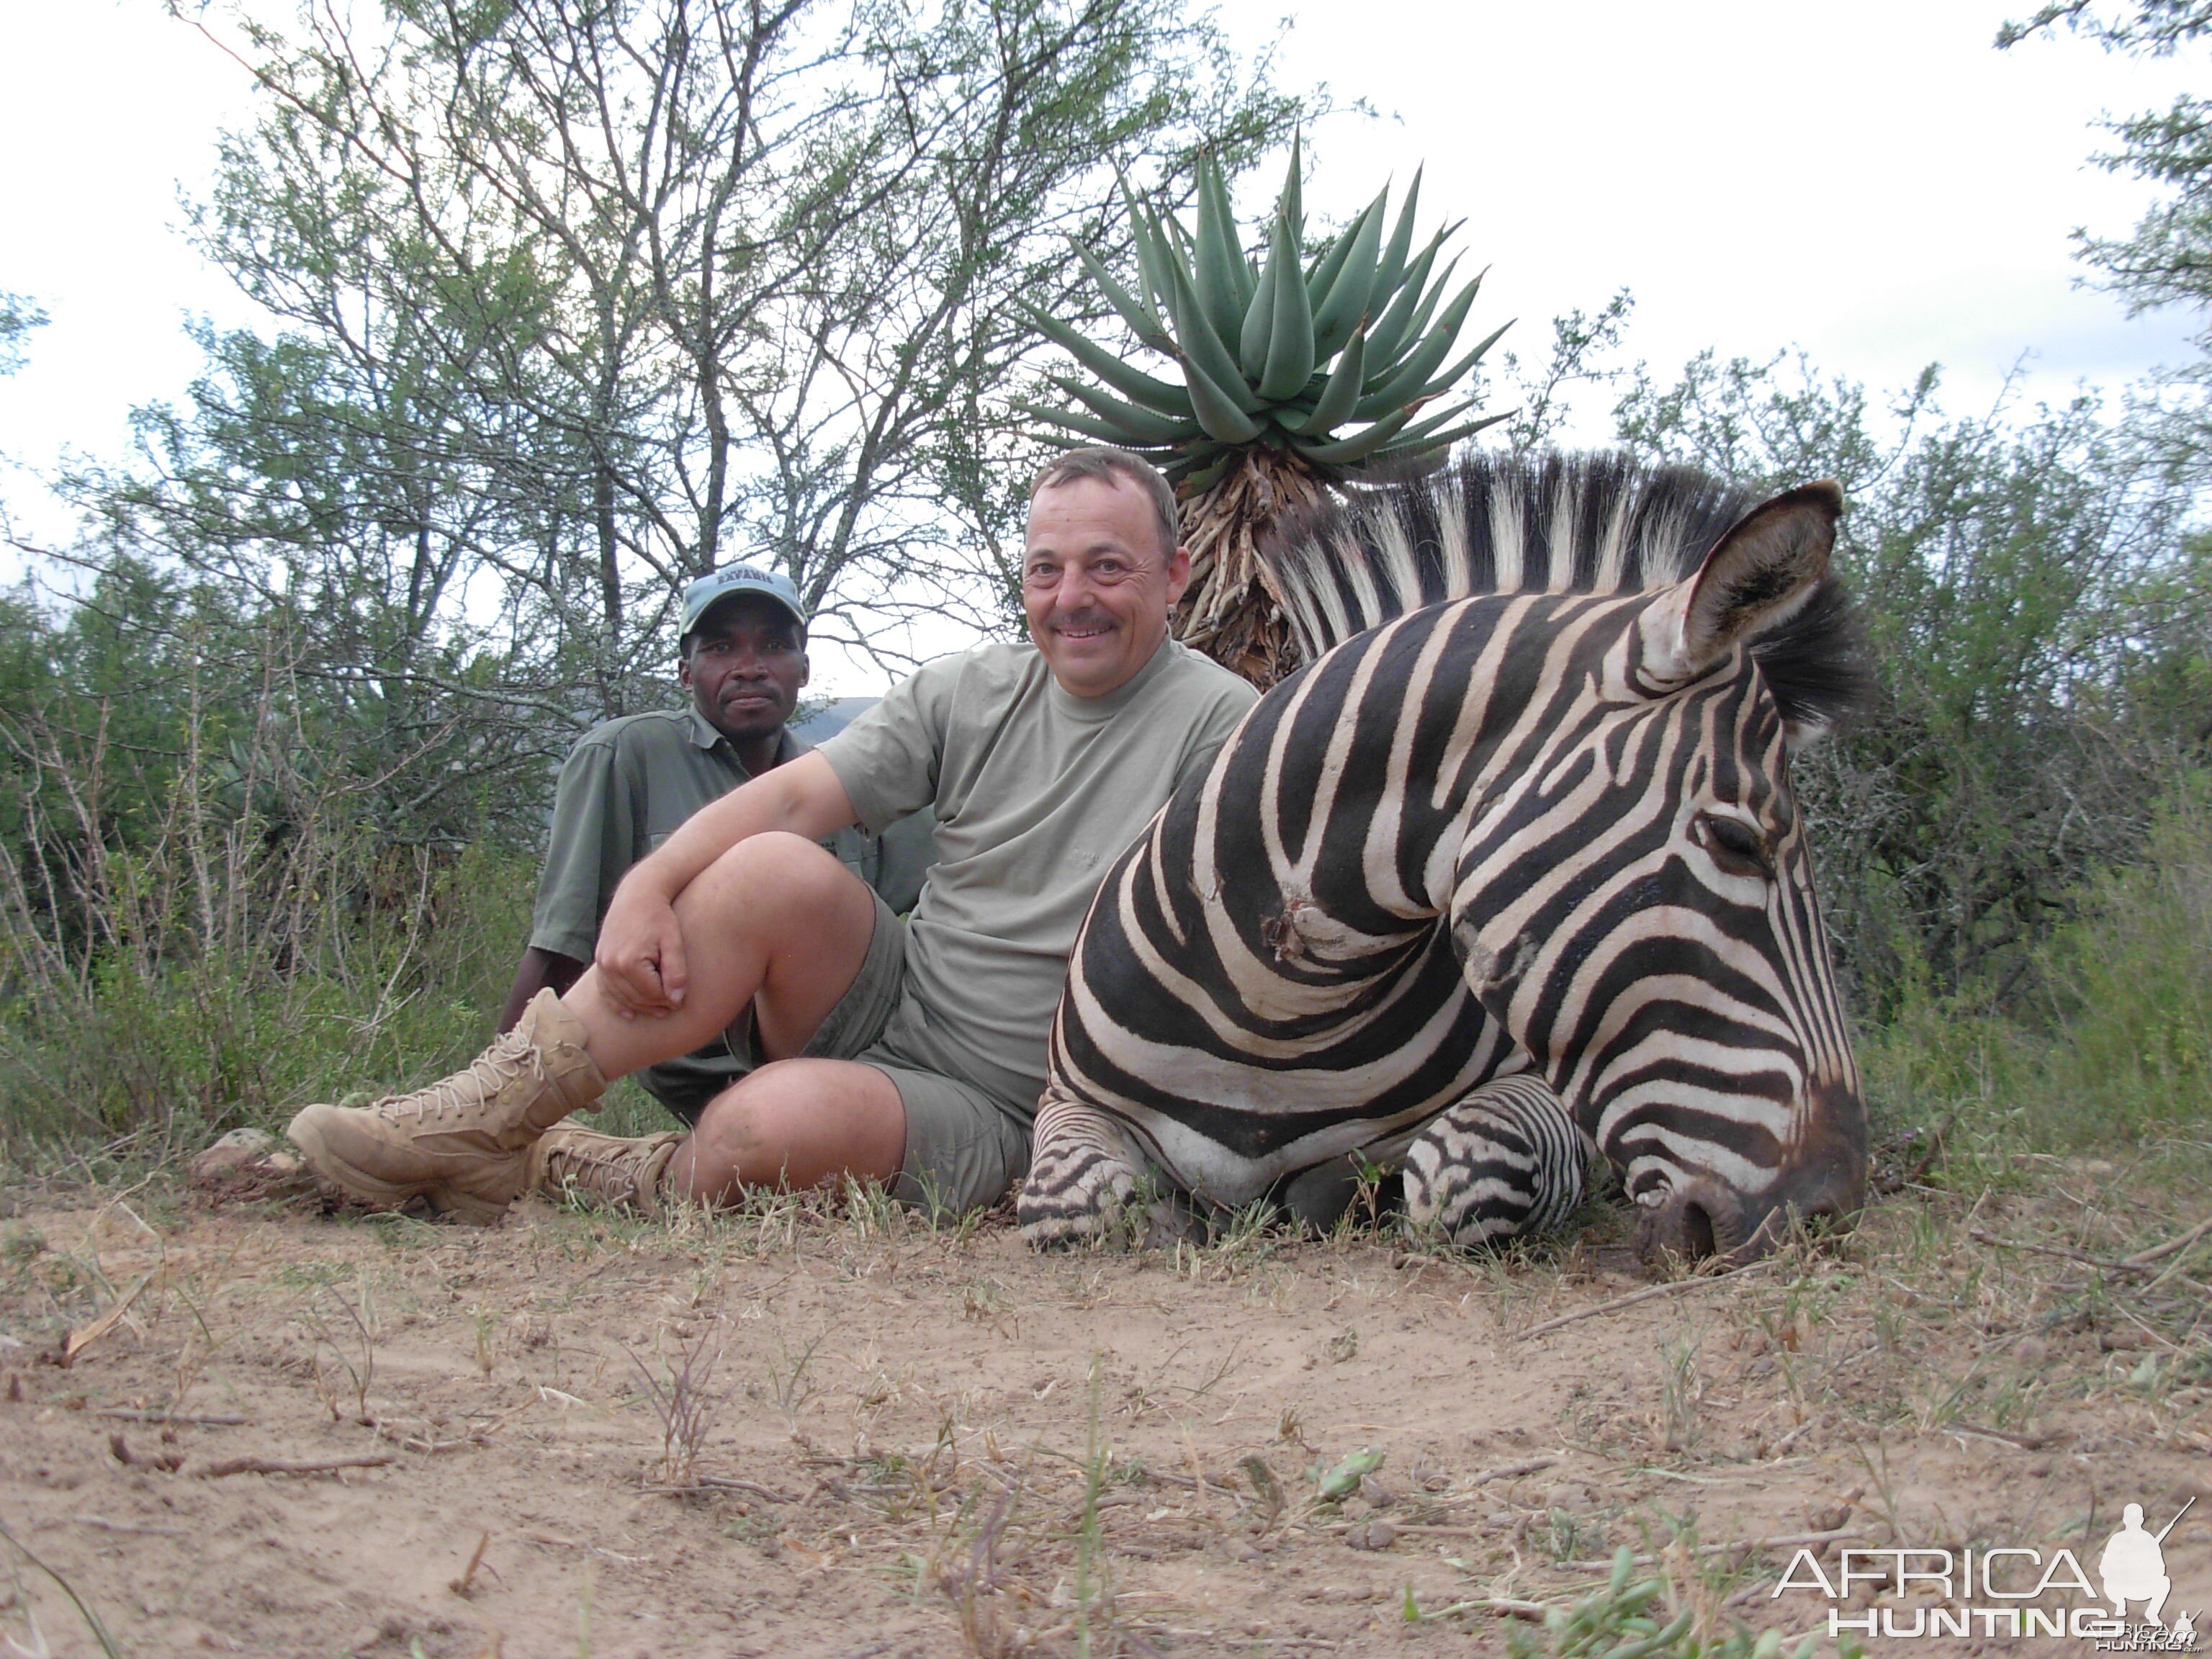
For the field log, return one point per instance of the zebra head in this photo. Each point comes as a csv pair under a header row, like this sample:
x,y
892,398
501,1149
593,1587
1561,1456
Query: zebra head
x,y
1635,901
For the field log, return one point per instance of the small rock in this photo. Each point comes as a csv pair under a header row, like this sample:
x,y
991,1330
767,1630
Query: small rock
x,y
1372,1536
247,1164
1828,1518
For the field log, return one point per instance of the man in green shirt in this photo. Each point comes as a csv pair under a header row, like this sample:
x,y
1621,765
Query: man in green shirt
x,y
628,784
913,1052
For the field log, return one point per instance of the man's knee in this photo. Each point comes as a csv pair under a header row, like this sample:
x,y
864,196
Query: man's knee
x,y
775,877
798,1123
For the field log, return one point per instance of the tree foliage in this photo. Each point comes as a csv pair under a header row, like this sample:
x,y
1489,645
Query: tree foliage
x,y
2039,629
577,301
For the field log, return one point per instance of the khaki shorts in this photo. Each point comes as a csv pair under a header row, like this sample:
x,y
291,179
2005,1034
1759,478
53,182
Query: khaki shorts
x,y
964,1147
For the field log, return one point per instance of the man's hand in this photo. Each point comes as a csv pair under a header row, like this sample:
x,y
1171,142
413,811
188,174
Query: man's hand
x,y
640,955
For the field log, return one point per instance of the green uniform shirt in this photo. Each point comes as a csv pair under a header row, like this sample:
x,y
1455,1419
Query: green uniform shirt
x,y
1036,793
623,790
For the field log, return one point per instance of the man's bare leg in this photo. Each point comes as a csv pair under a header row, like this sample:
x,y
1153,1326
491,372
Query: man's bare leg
x,y
775,922
792,1123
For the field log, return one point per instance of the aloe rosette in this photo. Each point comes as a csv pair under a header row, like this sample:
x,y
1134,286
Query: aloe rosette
x,y
1292,376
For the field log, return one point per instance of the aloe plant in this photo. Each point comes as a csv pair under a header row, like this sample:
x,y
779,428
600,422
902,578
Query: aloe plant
x,y
1289,376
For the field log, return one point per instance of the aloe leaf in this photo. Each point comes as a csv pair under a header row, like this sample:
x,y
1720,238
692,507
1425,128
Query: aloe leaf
x,y
1333,407
1408,379
1291,349
1147,389
1141,425
1346,308
1223,281
1138,313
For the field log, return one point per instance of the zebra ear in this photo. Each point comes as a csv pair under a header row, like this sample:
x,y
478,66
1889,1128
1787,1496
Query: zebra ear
x,y
1757,575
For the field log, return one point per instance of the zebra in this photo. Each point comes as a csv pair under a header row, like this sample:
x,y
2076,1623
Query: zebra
x,y
1508,875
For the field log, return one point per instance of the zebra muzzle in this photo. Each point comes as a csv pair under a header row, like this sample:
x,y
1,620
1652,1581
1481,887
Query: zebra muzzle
x,y
1694,1224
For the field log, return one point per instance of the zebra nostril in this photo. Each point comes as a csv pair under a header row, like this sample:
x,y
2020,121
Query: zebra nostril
x,y
1695,1227
1690,1225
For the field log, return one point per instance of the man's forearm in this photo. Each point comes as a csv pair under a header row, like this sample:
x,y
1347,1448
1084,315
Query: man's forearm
x,y
802,797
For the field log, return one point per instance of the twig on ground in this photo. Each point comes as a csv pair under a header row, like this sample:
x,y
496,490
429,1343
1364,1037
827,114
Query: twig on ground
x,y
2160,1252
717,1483
125,1414
1507,1471
461,1586
1649,1293
106,1525
2132,1266
280,1465
2035,1442
1512,1608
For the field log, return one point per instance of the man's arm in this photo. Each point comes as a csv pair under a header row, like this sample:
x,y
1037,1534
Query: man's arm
x,y
640,955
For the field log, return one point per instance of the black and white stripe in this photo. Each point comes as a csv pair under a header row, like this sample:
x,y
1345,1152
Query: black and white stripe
x,y
1525,812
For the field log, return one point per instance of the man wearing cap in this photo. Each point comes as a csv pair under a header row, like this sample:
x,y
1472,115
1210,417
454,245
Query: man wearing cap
x,y
627,786
908,1053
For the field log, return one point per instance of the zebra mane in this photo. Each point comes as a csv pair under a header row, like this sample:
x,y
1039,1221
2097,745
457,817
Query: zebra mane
x,y
1599,523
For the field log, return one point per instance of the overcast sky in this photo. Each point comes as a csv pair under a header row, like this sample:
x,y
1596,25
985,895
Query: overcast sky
x,y
1871,181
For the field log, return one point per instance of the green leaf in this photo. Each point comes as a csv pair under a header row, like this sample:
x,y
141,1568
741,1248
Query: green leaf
x,y
1161,396
1291,337
1202,348
1393,265
1217,410
1325,269
1359,445
1341,391
1341,1481
1346,308
1389,334
1139,424
1407,380
1138,313
1222,280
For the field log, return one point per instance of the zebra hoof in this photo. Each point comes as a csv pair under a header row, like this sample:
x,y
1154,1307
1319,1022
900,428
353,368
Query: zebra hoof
x,y
1088,1207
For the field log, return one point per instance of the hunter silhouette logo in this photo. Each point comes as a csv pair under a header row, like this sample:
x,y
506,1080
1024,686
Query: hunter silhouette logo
x,y
2133,1565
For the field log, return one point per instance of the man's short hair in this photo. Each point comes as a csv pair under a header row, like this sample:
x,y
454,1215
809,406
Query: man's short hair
x,y
1102,464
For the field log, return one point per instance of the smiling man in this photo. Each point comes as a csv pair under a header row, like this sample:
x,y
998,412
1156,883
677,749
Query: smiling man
x,y
910,1053
741,656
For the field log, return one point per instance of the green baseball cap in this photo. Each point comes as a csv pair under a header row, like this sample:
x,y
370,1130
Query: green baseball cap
x,y
711,589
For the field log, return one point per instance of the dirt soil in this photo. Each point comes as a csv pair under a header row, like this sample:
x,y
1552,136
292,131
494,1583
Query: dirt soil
x,y
824,1430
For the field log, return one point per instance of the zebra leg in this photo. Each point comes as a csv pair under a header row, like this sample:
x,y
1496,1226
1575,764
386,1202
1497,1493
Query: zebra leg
x,y
1089,1182
1506,1162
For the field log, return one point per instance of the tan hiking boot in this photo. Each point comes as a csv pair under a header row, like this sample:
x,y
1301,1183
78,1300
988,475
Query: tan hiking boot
x,y
459,1142
607,1171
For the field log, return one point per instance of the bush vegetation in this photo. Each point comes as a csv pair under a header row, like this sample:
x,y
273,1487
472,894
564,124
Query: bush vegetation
x,y
232,882
272,781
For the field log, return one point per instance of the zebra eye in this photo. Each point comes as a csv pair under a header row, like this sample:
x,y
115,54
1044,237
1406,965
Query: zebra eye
x,y
1735,843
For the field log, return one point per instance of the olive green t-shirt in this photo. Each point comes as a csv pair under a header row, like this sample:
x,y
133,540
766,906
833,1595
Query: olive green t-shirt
x,y
625,788
1036,792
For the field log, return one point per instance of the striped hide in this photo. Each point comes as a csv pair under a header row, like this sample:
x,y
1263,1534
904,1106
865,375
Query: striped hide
x,y
1511,869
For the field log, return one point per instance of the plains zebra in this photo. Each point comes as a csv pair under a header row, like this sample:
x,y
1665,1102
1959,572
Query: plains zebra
x,y
1512,861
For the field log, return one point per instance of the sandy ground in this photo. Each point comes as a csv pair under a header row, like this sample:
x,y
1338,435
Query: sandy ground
x,y
825,1431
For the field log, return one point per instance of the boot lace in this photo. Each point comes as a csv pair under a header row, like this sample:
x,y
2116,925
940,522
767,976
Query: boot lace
x,y
511,1057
